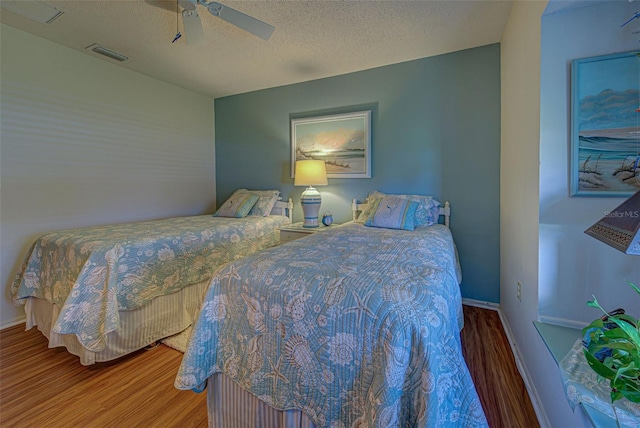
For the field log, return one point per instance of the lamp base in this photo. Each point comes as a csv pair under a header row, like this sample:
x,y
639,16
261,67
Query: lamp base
x,y
310,201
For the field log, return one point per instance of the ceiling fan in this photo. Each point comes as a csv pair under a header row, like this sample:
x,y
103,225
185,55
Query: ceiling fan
x,y
193,26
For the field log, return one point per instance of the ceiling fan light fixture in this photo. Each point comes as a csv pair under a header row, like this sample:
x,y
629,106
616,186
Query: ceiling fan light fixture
x,y
232,16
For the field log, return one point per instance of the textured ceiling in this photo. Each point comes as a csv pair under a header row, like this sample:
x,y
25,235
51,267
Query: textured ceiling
x,y
313,39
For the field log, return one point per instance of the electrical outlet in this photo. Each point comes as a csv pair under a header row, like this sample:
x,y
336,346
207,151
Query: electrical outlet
x,y
519,292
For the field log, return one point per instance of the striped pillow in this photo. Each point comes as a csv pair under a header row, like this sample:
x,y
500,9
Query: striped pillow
x,y
237,206
393,213
427,213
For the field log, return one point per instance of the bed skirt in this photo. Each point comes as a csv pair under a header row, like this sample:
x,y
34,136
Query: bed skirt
x,y
230,406
138,328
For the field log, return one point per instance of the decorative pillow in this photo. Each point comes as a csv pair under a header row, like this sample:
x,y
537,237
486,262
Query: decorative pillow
x,y
392,212
237,206
266,201
426,215
371,204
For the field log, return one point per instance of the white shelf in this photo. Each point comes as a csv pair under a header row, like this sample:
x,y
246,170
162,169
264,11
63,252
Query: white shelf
x,y
559,340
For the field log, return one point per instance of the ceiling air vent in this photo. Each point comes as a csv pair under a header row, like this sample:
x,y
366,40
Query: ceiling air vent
x,y
36,10
107,52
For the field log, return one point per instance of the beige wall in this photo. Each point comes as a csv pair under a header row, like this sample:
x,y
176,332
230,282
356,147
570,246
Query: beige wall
x,y
519,213
85,142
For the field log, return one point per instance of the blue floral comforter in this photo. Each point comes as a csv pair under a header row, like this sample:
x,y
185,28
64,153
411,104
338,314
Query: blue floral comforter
x,y
92,273
355,326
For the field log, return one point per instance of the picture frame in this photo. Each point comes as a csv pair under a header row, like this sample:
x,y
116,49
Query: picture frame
x,y
605,135
343,141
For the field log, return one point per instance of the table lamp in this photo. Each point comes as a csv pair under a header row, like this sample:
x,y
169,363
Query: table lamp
x,y
310,173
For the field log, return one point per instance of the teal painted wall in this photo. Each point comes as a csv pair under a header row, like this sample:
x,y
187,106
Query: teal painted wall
x,y
435,131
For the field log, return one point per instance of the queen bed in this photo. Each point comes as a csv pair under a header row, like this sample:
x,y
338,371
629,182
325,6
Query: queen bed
x,y
103,292
357,326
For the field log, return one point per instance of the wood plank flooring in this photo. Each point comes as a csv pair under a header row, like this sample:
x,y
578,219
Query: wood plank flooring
x,y
41,387
488,355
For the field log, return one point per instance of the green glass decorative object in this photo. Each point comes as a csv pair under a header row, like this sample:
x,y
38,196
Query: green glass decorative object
x,y
612,349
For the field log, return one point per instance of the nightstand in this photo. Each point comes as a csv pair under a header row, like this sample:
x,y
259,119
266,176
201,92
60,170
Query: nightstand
x,y
296,231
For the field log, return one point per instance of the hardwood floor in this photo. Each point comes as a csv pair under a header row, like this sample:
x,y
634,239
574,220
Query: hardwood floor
x,y
488,355
41,387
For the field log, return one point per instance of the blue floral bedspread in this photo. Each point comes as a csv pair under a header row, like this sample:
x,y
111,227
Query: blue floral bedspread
x,y
356,326
92,273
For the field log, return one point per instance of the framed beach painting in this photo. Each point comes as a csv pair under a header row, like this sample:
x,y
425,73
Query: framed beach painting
x,y
605,132
343,141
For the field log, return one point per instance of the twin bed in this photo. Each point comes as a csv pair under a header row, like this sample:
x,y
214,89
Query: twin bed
x,y
357,326
104,292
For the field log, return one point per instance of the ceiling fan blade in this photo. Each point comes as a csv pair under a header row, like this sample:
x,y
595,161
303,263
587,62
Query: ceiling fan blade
x,y
188,4
192,27
241,20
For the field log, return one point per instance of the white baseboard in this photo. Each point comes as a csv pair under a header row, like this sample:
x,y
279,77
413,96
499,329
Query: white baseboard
x,y
562,322
480,304
543,420
13,322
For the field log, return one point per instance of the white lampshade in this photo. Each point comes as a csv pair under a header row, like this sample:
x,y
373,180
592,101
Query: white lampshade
x,y
310,173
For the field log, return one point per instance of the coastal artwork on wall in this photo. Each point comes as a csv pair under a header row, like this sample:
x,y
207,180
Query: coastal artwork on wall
x,y
605,136
342,141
